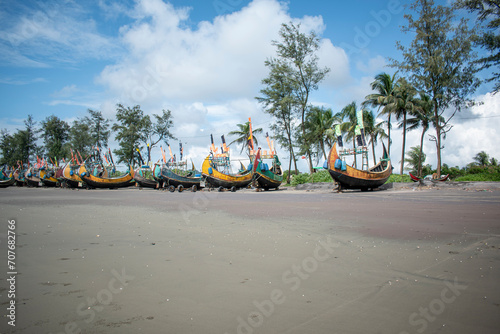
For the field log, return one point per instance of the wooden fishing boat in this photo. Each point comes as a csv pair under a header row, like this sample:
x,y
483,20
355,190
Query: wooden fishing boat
x,y
7,183
19,177
32,177
349,177
222,179
415,178
264,176
175,178
140,178
429,177
47,177
70,177
93,181
6,180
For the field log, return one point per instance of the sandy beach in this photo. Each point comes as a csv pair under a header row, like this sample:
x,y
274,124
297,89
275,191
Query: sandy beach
x,y
397,261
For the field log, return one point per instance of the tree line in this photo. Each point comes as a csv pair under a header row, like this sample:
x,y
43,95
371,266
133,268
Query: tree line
x,y
134,130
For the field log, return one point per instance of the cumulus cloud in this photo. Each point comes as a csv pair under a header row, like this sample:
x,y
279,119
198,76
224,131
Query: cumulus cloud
x,y
214,62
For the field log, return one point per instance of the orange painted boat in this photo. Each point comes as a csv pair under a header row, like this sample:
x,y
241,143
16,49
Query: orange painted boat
x,y
47,176
92,181
352,178
70,175
222,180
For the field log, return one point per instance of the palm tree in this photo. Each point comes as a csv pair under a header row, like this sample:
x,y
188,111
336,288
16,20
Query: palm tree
x,y
243,134
385,86
349,113
318,122
422,116
414,158
374,130
403,104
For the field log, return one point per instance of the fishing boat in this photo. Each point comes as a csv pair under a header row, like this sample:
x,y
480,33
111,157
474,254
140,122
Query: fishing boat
x,y
175,174
19,176
216,170
93,181
47,177
432,178
7,183
32,177
264,176
349,177
415,178
6,179
142,178
70,177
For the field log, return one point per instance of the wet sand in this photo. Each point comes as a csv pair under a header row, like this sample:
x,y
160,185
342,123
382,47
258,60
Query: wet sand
x,y
146,261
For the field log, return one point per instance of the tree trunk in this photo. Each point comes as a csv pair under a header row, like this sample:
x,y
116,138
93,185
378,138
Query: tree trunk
x,y
373,152
389,135
289,167
421,152
438,139
354,145
404,143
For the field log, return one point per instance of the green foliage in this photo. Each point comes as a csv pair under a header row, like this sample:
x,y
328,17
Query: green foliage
x,y
98,127
243,133
300,179
319,176
55,133
399,178
439,61
413,158
488,14
480,177
21,146
80,138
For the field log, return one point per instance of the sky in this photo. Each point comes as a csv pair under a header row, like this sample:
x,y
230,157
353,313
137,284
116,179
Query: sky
x,y
204,61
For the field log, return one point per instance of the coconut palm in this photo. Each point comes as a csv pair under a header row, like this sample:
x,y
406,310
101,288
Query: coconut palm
x,y
414,158
400,107
348,127
243,135
318,122
422,116
385,87
374,130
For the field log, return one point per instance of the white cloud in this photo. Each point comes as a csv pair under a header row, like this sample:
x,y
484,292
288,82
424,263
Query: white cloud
x,y
373,66
216,62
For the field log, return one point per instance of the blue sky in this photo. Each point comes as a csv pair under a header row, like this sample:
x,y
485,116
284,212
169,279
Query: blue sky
x,y
204,61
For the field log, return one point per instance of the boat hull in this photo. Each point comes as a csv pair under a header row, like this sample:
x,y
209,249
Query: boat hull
x,y
142,181
353,178
7,183
266,179
47,179
70,175
216,179
99,182
172,179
